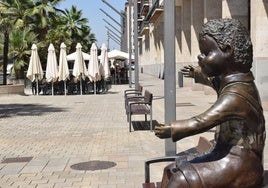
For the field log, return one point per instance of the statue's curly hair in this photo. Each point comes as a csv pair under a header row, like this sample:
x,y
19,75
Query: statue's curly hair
x,y
231,32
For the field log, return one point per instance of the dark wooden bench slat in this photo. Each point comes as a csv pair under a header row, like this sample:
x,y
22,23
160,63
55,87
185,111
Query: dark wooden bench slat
x,y
133,95
133,91
143,105
139,109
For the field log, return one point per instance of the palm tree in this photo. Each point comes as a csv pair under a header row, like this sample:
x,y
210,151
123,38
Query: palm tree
x,y
75,25
40,12
87,38
5,26
69,27
19,41
58,33
12,15
47,22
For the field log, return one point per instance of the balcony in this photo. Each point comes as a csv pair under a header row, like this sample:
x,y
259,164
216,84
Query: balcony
x,y
140,18
155,11
144,7
140,37
144,28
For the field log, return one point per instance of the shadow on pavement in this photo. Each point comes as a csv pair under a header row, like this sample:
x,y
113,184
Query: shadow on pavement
x,y
93,165
10,110
143,125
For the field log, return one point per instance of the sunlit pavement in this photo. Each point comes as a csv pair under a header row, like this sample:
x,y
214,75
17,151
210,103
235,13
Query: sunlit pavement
x,y
84,140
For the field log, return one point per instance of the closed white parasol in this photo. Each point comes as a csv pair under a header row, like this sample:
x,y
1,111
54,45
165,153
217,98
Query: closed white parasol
x,y
35,71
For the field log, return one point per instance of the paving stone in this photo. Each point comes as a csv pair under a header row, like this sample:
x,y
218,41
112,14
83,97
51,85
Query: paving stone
x,y
60,131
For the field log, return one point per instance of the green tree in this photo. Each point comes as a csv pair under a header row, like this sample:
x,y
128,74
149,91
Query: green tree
x,y
23,22
41,13
76,27
19,42
13,16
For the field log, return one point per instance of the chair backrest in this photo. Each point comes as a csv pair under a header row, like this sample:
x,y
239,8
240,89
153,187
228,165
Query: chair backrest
x,y
148,97
140,88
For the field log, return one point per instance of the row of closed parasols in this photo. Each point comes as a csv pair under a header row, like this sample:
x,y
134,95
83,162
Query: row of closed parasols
x,y
55,72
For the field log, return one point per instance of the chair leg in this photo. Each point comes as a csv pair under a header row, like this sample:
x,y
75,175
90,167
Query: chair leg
x,y
151,121
127,116
129,119
126,107
151,124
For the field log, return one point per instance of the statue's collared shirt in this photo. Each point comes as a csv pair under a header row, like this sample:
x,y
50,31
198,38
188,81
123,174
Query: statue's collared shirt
x,y
239,118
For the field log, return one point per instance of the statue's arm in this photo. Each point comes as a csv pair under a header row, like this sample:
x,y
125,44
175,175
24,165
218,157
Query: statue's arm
x,y
200,78
190,71
225,108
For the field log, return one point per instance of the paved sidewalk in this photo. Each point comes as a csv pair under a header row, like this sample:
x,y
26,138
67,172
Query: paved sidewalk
x,y
83,140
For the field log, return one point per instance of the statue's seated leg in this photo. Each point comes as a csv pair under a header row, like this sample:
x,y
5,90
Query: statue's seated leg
x,y
178,180
240,168
172,178
168,172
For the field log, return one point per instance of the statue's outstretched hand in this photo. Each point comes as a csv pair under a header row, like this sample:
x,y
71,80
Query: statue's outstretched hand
x,y
188,71
162,131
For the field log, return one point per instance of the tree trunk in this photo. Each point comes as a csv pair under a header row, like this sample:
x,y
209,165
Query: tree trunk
x,y
5,62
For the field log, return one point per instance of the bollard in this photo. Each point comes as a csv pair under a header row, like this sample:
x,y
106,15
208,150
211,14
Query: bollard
x,y
180,79
141,69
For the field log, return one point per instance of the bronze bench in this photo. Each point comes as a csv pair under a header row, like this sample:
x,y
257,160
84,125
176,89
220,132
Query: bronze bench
x,y
203,146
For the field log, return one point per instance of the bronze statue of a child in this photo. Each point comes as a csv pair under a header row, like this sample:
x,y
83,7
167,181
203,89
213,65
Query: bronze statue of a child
x,y
237,159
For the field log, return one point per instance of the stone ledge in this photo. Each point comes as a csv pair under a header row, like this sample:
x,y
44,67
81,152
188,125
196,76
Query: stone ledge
x,y
12,89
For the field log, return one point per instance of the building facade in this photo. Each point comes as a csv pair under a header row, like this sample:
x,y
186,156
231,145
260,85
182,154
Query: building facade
x,y
189,17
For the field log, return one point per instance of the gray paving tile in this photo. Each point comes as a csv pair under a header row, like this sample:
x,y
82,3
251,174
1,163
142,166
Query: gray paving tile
x,y
59,131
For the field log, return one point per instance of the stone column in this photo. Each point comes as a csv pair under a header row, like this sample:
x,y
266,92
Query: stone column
x,y
212,9
178,36
237,9
186,31
197,20
178,33
259,37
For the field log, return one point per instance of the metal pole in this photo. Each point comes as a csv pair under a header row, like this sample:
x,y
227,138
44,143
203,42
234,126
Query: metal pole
x,y
129,43
113,26
169,71
108,41
111,17
136,44
114,9
114,39
113,32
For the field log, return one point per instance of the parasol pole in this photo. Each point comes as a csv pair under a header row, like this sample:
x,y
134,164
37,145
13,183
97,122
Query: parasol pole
x,y
37,89
80,83
115,81
52,92
65,87
94,88
105,85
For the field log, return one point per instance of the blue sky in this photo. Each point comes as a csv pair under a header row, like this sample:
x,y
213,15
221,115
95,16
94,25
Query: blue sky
x,y
91,11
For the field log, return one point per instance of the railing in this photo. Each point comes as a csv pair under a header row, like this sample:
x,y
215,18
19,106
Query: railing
x,y
144,7
144,25
154,6
144,2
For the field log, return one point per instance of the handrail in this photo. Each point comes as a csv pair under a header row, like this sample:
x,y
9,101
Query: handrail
x,y
154,6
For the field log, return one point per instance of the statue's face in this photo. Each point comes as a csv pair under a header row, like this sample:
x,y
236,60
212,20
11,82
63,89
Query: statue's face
x,y
212,60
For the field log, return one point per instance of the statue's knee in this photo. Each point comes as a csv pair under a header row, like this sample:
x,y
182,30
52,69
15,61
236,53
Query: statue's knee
x,y
169,170
178,180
